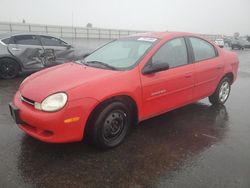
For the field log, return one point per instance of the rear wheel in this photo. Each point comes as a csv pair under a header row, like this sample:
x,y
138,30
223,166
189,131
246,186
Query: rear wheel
x,y
222,92
110,125
8,68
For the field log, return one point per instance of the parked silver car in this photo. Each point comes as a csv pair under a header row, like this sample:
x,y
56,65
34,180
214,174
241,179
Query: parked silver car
x,y
240,43
32,52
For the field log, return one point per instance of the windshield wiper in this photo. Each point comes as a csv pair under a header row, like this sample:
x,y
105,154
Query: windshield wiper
x,y
82,61
100,63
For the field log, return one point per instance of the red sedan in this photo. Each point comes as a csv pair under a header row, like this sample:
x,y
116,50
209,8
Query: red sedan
x,y
124,82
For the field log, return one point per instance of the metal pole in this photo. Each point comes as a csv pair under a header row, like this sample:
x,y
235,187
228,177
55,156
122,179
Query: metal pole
x,y
87,33
10,28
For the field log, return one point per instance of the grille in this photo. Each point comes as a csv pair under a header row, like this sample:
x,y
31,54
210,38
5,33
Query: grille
x,y
26,100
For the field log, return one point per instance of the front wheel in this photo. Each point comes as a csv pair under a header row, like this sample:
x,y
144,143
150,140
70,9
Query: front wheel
x,y
111,125
222,92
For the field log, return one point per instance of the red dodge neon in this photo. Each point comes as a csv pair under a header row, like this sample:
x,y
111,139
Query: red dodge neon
x,y
125,81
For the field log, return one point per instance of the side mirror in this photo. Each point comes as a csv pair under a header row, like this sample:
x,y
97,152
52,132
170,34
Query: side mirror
x,y
156,67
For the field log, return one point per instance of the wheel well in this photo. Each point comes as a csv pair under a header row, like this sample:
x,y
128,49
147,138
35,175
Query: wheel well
x,y
129,101
13,59
230,76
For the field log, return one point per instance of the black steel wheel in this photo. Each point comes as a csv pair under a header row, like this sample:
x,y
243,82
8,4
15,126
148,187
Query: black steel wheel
x,y
111,125
8,68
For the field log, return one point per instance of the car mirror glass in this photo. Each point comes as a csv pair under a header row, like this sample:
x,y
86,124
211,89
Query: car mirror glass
x,y
156,67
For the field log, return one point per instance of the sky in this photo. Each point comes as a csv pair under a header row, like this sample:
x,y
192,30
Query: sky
x,y
198,16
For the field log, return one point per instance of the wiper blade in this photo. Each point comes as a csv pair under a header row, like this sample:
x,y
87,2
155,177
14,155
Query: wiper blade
x,y
82,61
78,62
100,63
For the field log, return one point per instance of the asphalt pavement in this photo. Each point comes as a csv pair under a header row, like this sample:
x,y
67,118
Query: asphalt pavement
x,y
198,145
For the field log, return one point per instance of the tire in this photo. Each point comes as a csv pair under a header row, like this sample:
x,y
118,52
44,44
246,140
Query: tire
x,y
221,93
110,125
9,68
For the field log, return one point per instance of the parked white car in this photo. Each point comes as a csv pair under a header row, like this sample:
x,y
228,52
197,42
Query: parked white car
x,y
219,42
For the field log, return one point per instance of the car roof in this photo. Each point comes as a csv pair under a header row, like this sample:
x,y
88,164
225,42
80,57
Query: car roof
x,y
167,34
7,35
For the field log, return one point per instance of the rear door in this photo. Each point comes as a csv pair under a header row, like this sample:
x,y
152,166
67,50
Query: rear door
x,y
208,67
56,50
28,49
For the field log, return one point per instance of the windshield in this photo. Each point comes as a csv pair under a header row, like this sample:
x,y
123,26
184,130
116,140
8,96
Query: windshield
x,y
120,54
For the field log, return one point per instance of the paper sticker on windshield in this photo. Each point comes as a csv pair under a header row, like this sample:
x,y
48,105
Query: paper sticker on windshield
x,y
147,39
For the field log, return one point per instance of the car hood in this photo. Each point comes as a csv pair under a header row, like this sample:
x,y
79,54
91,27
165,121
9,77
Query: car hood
x,y
60,79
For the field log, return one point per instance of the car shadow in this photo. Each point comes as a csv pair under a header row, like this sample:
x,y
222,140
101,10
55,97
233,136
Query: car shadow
x,y
157,146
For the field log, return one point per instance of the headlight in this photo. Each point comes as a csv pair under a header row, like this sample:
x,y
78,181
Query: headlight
x,y
52,103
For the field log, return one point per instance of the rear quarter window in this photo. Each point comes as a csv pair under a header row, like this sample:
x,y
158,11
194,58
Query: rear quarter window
x,y
6,41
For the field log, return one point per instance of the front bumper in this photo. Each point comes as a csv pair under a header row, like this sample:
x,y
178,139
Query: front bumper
x,y
50,126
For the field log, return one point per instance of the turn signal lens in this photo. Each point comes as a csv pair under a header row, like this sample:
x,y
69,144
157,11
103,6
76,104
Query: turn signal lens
x,y
71,120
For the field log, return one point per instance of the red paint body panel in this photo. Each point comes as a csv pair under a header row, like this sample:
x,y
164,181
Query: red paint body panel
x,y
163,91
207,76
87,87
37,123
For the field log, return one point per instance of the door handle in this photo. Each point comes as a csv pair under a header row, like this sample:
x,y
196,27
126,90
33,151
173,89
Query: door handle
x,y
188,74
15,49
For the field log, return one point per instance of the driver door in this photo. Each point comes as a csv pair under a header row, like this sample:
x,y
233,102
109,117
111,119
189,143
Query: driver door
x,y
165,90
56,51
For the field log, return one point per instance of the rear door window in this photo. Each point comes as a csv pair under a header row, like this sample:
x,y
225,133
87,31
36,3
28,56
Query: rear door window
x,y
26,40
202,49
6,41
52,41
